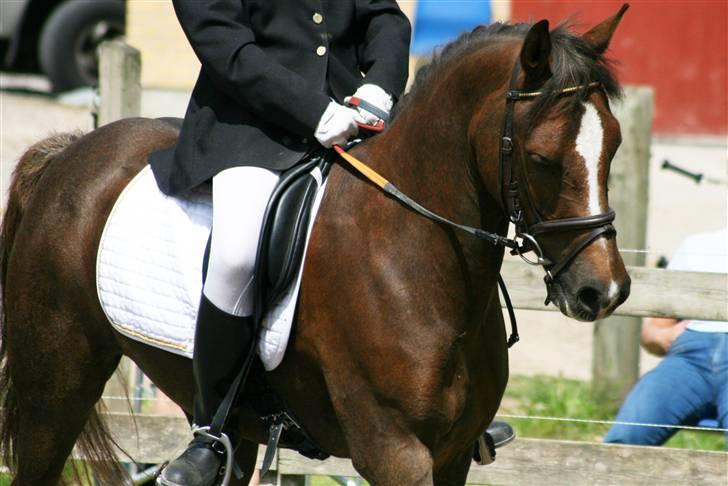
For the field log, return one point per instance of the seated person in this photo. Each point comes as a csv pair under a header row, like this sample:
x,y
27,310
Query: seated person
x,y
691,382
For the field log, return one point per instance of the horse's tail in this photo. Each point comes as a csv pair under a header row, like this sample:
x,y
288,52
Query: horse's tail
x,y
94,441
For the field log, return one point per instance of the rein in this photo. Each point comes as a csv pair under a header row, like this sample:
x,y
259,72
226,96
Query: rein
x,y
494,238
526,235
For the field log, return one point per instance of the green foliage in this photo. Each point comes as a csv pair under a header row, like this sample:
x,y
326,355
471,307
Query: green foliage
x,y
696,439
561,397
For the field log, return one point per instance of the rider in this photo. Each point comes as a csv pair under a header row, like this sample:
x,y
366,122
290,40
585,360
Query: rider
x,y
273,79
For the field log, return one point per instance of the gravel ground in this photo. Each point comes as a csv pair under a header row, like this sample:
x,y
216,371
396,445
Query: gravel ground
x,y
551,344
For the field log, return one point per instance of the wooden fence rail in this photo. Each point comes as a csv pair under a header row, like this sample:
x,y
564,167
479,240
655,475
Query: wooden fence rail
x,y
655,292
153,439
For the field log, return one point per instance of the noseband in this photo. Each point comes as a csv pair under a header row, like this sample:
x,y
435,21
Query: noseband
x,y
596,225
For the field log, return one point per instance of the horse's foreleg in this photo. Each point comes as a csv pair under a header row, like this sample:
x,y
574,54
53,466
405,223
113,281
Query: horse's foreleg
x,y
382,448
455,473
384,458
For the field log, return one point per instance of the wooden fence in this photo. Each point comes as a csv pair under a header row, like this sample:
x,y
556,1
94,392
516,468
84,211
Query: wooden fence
x,y
655,292
155,439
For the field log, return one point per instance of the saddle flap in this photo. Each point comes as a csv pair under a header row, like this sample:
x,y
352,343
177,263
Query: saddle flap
x,y
288,231
285,228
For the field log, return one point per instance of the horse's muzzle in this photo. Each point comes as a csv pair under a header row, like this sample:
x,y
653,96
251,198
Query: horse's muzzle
x,y
590,300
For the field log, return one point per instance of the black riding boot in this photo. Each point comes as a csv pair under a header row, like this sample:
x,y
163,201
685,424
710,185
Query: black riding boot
x,y
222,344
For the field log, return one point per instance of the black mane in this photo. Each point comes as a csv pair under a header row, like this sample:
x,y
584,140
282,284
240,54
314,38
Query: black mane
x,y
573,62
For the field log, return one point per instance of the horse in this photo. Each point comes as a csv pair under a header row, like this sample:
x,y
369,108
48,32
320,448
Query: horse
x,y
399,359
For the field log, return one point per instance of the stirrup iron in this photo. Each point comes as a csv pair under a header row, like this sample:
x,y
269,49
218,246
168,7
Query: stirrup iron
x,y
227,449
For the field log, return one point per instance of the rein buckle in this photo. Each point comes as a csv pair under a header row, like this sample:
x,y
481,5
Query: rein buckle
x,y
507,145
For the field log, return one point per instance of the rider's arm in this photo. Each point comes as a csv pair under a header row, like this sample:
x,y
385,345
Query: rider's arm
x,y
658,334
384,44
226,47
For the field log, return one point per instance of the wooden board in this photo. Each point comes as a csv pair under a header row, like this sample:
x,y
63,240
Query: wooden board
x,y
552,462
655,292
524,461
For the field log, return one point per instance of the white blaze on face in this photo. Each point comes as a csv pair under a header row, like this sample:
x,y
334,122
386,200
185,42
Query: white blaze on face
x,y
589,145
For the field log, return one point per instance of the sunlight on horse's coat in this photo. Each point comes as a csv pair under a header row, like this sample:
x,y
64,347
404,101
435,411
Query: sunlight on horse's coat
x,y
613,289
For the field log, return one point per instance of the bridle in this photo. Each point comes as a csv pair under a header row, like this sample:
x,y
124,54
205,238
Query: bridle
x,y
508,186
526,239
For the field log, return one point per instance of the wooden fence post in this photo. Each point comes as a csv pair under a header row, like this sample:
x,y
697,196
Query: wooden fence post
x,y
120,92
616,349
120,68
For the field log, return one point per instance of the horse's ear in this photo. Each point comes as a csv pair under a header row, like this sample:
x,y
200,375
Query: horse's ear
x,y
535,55
600,35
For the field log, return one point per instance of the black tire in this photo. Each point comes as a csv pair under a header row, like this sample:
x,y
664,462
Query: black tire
x,y
70,36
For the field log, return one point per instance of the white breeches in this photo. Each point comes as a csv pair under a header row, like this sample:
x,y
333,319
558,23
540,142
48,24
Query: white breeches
x,y
239,198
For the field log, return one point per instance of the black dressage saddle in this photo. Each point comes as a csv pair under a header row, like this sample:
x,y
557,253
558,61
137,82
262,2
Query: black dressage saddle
x,y
285,226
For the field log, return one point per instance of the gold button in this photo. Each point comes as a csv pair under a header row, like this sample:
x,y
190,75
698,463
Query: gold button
x,y
318,18
321,50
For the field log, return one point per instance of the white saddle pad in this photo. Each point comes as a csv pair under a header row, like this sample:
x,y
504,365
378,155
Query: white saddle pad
x,y
149,269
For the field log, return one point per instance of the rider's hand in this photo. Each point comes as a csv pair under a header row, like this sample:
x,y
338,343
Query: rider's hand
x,y
336,126
375,96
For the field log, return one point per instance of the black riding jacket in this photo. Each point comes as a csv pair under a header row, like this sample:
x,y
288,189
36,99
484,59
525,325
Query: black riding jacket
x,y
269,69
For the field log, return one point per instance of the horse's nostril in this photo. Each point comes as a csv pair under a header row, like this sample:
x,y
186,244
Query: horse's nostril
x,y
590,298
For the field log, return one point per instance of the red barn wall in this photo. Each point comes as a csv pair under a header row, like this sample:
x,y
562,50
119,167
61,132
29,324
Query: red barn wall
x,y
679,47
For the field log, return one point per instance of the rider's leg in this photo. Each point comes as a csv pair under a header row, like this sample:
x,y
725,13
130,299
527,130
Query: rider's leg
x,y
224,335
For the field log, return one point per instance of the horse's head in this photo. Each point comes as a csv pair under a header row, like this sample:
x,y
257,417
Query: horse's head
x,y
558,137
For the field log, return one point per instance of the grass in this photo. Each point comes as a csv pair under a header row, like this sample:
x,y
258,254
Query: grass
x,y
565,398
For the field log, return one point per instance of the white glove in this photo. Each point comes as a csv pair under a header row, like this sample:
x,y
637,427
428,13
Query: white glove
x,y
336,126
374,95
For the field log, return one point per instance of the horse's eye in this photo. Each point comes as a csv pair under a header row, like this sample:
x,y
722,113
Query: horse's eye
x,y
540,159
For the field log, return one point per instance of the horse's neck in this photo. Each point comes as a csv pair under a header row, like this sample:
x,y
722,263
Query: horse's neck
x,y
428,167
428,155
428,158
